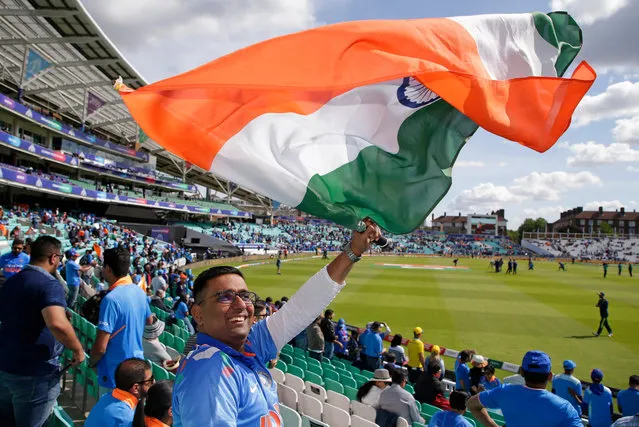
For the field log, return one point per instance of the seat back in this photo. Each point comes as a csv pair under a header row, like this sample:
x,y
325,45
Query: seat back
x,y
278,375
339,400
287,395
357,421
296,383
311,406
363,410
335,416
315,390
290,418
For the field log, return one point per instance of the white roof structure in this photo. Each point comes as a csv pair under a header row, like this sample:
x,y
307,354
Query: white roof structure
x,y
84,61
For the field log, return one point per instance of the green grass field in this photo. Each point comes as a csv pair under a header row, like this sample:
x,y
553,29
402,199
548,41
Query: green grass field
x,y
498,315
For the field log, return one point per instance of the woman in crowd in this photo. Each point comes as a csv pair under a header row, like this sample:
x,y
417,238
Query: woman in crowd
x,y
369,392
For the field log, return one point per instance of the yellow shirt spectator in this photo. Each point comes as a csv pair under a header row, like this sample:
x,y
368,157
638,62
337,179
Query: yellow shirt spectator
x,y
415,348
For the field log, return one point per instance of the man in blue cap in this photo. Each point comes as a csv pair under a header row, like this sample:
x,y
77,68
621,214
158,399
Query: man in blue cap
x,y
598,400
530,405
567,386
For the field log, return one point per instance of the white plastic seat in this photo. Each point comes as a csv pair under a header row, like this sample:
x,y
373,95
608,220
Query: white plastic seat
x,y
315,390
401,422
357,421
287,396
312,422
339,400
296,383
334,416
449,385
309,405
362,410
278,375
290,418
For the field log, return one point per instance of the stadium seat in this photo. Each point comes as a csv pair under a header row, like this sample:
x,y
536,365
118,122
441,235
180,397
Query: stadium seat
x,y
344,373
179,344
296,383
312,422
290,417
362,410
159,373
314,378
60,418
416,424
288,349
311,406
298,352
282,366
315,390
360,379
350,392
286,358
449,385
338,364
287,395
334,416
300,363
295,370
331,375
339,400
278,375
401,422
315,369
409,388
368,374
333,385
353,369
357,421
327,366
311,361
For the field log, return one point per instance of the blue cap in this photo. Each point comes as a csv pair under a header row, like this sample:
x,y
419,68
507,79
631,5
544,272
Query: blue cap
x,y
73,252
596,375
569,364
536,361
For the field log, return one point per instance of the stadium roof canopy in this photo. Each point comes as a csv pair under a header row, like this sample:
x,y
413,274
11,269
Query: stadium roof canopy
x,y
84,60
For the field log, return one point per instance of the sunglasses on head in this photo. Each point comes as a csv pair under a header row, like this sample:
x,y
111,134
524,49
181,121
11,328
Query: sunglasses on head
x,y
228,296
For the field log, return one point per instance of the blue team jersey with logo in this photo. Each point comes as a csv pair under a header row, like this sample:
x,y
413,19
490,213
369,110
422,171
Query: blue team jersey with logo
x,y
219,386
12,264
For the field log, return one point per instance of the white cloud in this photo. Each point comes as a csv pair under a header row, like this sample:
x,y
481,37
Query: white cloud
x,y
593,154
627,130
549,213
588,11
609,205
164,38
549,186
619,100
535,186
632,169
502,164
469,164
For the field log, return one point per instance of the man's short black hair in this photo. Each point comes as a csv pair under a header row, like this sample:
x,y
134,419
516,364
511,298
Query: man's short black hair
x,y
200,282
534,377
464,356
44,247
259,306
130,372
17,241
284,299
633,381
458,400
328,312
398,376
119,260
433,367
490,369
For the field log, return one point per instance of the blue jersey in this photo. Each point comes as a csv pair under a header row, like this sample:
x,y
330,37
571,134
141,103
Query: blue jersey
x,y
12,264
562,384
448,419
599,406
628,401
218,386
528,407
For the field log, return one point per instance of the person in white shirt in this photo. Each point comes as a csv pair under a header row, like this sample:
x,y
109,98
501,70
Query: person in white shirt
x,y
369,392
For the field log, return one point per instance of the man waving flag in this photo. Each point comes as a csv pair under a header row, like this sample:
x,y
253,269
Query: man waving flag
x,y
366,119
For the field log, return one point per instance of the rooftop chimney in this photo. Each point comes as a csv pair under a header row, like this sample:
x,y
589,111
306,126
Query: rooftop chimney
x,y
622,210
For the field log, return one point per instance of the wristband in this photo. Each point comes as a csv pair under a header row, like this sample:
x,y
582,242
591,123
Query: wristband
x,y
349,253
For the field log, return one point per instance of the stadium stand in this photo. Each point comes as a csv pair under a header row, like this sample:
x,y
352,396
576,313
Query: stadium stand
x,y
587,247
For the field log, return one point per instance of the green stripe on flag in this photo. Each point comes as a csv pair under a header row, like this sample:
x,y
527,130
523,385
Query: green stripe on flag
x,y
562,31
396,190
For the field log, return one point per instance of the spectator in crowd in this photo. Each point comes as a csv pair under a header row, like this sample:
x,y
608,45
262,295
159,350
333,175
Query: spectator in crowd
x,y
389,362
33,329
429,388
462,372
567,386
157,409
73,273
154,350
370,391
232,351
515,379
454,417
181,310
341,332
260,312
530,405
628,399
328,330
416,360
398,401
315,339
133,379
372,347
598,400
124,312
489,381
157,300
353,348
435,354
159,282
478,363
397,350
12,263
629,421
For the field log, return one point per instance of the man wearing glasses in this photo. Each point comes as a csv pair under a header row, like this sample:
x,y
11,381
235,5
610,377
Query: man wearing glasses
x,y
133,379
225,381
33,331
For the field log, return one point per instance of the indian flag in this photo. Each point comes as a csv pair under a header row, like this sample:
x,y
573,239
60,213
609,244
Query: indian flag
x,y
366,119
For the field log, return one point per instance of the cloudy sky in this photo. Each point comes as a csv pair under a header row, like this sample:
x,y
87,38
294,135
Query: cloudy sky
x,y
596,163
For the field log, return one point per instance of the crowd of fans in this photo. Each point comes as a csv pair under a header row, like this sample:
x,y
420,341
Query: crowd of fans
x,y
585,249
